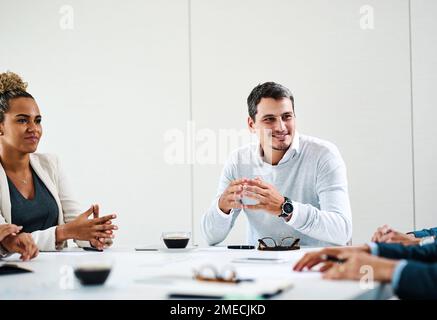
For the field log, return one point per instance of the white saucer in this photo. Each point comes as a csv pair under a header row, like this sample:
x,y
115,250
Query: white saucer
x,y
177,250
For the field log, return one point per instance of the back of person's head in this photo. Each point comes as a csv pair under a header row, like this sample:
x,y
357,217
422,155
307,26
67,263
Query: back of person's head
x,y
11,87
267,90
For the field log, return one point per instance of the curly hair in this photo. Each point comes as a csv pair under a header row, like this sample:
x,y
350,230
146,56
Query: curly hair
x,y
11,87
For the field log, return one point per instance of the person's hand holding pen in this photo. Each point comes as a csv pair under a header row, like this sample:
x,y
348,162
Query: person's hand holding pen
x,y
347,263
328,257
360,265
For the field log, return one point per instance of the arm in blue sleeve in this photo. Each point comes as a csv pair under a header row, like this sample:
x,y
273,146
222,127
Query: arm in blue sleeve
x,y
425,233
397,274
426,253
417,281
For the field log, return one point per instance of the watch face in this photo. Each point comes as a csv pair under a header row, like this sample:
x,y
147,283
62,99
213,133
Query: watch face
x,y
288,207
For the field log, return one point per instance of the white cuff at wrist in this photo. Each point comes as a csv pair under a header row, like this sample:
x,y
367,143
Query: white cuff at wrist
x,y
426,240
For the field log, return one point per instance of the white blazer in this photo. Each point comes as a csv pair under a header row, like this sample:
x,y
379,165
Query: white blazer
x,y
46,166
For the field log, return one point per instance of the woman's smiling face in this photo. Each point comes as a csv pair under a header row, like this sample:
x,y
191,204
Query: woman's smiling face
x,y
21,129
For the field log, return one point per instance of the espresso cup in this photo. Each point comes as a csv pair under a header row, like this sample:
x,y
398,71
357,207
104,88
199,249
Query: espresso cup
x,y
92,274
176,240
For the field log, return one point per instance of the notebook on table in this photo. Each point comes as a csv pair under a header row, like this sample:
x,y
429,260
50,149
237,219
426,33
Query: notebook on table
x,y
10,268
258,289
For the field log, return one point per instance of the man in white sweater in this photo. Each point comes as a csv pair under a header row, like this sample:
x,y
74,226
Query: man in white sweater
x,y
288,184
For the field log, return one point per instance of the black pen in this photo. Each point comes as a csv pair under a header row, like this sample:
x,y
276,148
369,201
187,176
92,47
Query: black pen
x,y
276,293
328,257
241,247
194,296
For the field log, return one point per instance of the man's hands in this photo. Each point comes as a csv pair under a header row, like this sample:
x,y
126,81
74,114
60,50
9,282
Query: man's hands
x,y
355,258
95,230
387,234
9,229
269,199
21,243
230,198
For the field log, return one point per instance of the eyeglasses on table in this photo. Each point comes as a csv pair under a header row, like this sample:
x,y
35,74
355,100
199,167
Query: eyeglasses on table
x,y
210,273
270,244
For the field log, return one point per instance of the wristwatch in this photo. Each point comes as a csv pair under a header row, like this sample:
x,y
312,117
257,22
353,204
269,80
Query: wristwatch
x,y
286,208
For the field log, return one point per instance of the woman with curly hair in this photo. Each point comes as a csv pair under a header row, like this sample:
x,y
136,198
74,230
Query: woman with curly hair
x,y
33,190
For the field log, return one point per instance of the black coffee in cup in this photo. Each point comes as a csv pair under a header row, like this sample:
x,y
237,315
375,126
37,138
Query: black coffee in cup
x,y
176,242
92,275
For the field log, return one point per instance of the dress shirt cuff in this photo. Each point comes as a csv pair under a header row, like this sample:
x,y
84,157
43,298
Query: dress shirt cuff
x,y
374,251
397,274
296,219
221,213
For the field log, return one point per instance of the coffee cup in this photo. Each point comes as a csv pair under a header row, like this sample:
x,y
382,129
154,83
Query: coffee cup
x,y
176,240
92,274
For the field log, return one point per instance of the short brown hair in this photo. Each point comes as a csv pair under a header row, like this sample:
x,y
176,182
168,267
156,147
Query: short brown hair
x,y
267,90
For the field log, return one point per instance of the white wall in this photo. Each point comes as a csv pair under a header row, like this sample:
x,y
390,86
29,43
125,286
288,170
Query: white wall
x,y
108,91
424,85
130,72
351,86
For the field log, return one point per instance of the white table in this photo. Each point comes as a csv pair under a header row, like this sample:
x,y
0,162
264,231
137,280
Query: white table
x,y
152,274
